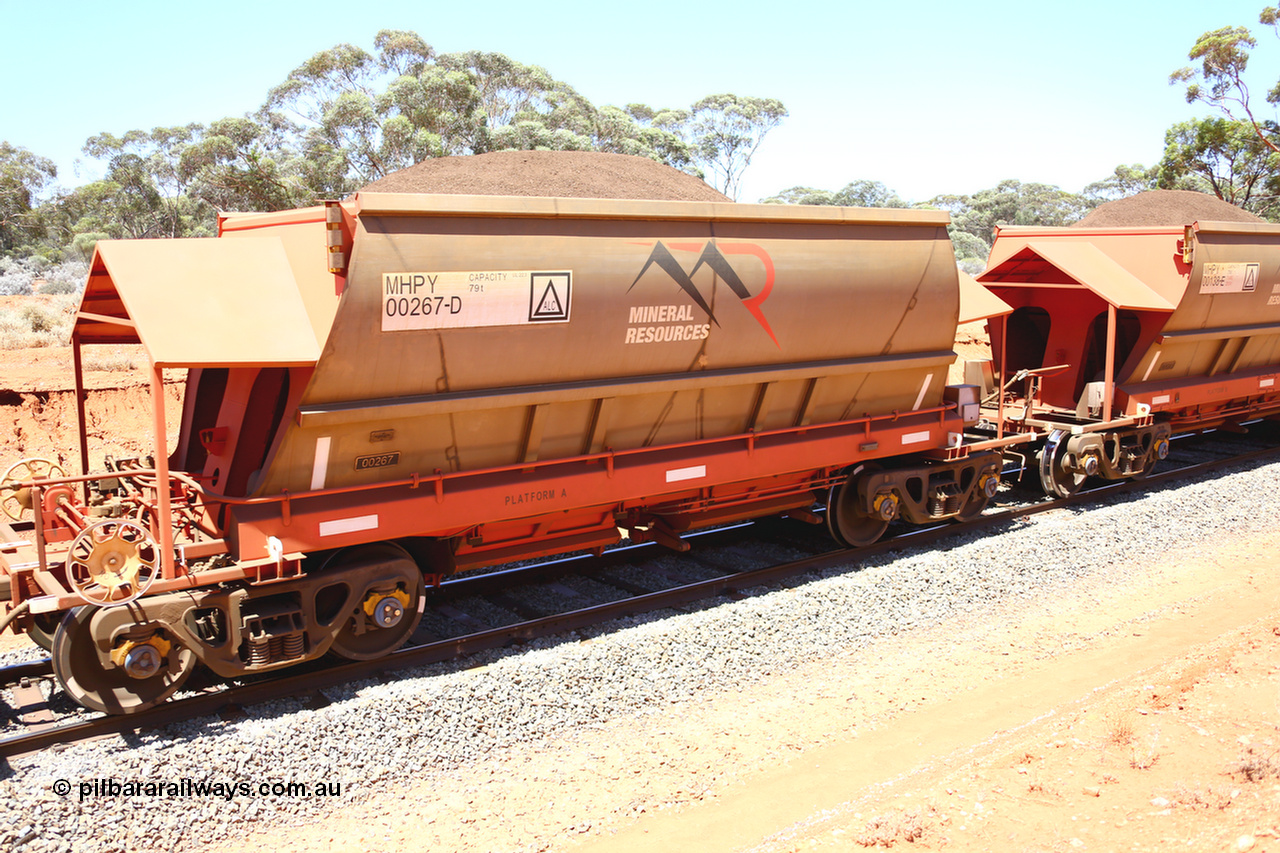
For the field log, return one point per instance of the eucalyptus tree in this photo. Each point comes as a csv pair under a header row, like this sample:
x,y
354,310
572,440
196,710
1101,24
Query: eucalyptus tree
x,y
725,131
1122,183
357,116
329,104
1219,77
1226,158
1011,203
859,193
23,178
144,191
243,164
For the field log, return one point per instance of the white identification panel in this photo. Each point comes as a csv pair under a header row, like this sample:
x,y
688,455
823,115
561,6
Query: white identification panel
x,y
457,300
1229,278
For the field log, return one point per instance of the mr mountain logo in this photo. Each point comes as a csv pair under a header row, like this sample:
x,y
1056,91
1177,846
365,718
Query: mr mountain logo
x,y
660,323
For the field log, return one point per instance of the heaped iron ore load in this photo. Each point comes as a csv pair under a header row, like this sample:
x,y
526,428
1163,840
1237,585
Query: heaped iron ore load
x,y
389,389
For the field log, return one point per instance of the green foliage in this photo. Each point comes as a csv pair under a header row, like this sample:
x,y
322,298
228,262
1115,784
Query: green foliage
x,y
239,164
1011,203
146,191
23,176
343,118
355,117
868,194
1122,183
60,288
971,252
861,193
1219,77
801,195
1223,55
82,244
1223,157
725,131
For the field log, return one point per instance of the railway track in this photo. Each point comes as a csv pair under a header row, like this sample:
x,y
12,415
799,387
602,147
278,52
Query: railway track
x,y
642,579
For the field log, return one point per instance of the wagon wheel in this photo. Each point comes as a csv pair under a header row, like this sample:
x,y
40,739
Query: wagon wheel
x,y
388,612
150,668
15,501
1055,479
112,562
43,627
985,489
1159,450
847,522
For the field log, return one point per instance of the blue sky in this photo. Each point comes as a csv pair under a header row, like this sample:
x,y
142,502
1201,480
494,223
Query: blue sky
x,y
927,97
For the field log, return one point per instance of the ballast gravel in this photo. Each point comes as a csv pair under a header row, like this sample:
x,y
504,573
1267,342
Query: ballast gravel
x,y
207,781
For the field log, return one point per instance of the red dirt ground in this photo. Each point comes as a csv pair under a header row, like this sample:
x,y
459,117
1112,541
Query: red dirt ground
x,y
37,407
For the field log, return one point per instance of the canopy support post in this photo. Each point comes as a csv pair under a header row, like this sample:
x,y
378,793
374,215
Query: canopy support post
x,y
1109,374
83,428
164,520
1004,338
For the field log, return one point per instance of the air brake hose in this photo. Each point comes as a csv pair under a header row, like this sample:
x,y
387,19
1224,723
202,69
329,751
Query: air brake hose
x,y
13,614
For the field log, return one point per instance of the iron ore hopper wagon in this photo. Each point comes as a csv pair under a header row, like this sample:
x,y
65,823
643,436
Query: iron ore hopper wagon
x,y
384,391
1122,337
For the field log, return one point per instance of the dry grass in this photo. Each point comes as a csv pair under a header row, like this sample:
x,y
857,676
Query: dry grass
x,y
110,361
888,829
1120,730
36,322
1255,766
1200,797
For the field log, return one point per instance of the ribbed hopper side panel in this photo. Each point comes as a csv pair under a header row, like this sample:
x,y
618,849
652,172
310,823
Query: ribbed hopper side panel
x,y
674,330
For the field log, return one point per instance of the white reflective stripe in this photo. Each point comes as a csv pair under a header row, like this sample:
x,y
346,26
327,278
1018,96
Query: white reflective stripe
x,y
694,473
320,467
915,437
1161,400
349,525
1150,367
44,603
923,388
1266,383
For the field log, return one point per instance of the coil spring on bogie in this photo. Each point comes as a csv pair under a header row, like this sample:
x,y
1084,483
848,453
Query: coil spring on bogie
x,y
268,650
944,500
294,646
259,651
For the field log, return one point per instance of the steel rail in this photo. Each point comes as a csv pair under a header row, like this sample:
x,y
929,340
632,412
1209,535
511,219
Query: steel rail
x,y
310,681
15,672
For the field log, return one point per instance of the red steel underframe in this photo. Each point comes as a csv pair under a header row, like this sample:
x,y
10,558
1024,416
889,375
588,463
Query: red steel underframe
x,y
1188,403
579,494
